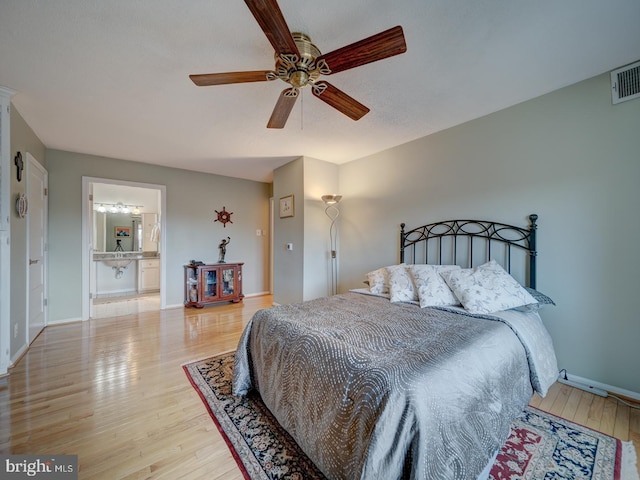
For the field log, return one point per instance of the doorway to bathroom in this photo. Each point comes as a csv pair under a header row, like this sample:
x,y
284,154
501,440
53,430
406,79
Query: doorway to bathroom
x,y
123,262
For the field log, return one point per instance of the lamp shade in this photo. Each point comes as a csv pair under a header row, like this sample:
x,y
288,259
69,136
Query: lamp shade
x,y
331,199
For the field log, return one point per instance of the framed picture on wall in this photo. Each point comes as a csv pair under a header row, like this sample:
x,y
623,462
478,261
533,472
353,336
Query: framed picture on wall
x,y
122,232
286,206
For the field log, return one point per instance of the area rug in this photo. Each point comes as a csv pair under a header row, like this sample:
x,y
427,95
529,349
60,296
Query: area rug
x,y
540,446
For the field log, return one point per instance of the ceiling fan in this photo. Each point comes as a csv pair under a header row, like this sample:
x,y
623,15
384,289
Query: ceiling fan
x,y
300,63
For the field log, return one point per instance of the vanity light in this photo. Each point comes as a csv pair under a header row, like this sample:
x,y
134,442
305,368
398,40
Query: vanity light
x,y
117,208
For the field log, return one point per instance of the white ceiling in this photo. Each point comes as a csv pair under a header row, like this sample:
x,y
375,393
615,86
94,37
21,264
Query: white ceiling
x,y
110,78
146,199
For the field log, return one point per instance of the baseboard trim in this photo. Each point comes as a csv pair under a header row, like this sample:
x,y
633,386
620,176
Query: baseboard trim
x,y
258,294
62,321
177,305
635,396
117,293
18,356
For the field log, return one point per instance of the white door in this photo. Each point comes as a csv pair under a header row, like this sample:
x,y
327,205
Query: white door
x,y
36,246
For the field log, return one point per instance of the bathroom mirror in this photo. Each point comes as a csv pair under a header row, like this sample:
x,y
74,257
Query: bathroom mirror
x,y
114,218
117,232
126,232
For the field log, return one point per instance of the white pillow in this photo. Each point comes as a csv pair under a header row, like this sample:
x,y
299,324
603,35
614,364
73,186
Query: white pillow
x,y
487,288
401,286
432,290
379,281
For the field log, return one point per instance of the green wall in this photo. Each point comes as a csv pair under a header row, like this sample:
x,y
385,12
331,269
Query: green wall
x,y
304,272
571,157
191,233
288,265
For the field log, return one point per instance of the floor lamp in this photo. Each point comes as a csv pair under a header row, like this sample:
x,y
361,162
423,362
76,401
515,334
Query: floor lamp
x,y
331,210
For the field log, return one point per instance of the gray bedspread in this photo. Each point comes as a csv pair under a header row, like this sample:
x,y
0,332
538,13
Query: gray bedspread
x,y
377,390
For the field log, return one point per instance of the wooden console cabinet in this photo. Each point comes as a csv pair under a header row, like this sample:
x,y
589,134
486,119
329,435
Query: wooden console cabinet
x,y
213,283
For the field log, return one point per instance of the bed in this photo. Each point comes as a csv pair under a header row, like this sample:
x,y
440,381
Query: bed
x,y
413,375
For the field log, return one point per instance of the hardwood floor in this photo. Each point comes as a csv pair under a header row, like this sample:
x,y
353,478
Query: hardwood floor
x,y
113,392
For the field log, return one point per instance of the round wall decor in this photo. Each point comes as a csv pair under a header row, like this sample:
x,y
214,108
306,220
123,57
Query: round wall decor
x,y
22,205
223,217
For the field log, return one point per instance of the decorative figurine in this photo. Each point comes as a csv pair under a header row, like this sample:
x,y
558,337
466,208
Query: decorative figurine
x,y
223,248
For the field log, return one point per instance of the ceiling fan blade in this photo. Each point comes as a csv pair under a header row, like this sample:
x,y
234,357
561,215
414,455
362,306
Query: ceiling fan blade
x,y
206,79
339,100
283,108
268,15
377,47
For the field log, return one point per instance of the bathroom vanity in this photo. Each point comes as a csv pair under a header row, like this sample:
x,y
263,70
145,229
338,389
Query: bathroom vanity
x,y
122,273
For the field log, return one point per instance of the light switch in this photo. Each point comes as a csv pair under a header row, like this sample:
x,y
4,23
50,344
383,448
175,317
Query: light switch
x,y
258,232
289,246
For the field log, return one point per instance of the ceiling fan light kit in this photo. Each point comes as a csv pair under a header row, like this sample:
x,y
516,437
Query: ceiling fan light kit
x,y
303,69
299,63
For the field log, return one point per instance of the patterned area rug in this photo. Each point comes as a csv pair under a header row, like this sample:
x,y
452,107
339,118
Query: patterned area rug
x,y
540,446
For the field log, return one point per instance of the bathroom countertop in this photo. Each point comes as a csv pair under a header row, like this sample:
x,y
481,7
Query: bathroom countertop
x,y
97,256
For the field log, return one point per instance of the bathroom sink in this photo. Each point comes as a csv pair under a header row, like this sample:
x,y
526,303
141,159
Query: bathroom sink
x,y
116,262
116,259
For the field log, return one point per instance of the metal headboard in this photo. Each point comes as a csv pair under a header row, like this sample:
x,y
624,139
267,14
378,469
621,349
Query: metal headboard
x,y
460,241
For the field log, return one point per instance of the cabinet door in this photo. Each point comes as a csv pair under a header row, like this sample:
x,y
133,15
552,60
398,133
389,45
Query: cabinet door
x,y
209,284
191,293
149,275
228,285
150,232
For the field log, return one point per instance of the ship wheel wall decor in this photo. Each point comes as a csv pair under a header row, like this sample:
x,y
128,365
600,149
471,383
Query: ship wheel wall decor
x,y
299,63
223,217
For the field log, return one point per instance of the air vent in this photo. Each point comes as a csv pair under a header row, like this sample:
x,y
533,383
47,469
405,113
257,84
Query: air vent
x,y
625,83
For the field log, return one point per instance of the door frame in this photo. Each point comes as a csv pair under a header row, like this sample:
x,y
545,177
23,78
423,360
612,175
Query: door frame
x,y
5,229
87,246
32,163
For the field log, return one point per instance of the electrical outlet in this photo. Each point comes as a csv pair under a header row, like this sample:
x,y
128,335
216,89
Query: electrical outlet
x,y
15,330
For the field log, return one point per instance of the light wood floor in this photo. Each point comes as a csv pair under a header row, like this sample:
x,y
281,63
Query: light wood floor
x,y
113,392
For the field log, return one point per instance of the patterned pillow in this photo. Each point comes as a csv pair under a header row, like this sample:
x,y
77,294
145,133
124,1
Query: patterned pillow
x,y
432,290
379,281
401,285
487,288
540,297
541,301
